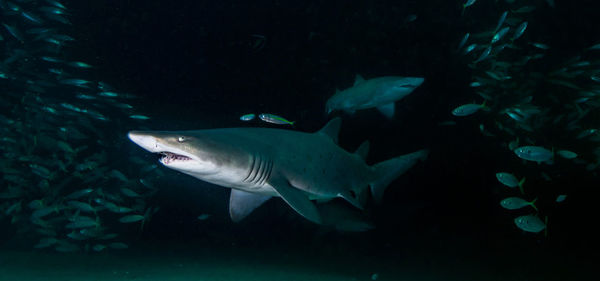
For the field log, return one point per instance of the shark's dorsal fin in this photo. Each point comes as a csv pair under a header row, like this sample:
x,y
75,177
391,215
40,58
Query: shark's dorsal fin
x,y
359,79
242,203
363,150
332,129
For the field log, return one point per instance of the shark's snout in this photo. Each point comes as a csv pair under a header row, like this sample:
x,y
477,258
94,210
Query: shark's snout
x,y
146,141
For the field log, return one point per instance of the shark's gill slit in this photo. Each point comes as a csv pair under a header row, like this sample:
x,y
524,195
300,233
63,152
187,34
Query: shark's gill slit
x,y
251,168
265,172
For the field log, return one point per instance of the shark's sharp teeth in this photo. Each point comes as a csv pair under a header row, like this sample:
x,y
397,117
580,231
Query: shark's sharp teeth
x,y
168,157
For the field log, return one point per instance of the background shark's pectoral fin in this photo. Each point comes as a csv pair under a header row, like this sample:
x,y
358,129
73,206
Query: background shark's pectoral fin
x,y
351,198
297,199
242,203
387,109
343,217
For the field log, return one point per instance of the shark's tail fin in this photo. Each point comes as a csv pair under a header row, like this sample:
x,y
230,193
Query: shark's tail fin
x,y
387,171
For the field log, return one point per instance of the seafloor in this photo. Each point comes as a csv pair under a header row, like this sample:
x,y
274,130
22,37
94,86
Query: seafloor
x,y
198,262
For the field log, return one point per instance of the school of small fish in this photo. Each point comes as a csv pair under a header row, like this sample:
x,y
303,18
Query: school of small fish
x,y
526,96
60,183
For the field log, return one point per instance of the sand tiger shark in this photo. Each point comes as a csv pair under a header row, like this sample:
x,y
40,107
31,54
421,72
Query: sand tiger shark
x,y
380,92
261,163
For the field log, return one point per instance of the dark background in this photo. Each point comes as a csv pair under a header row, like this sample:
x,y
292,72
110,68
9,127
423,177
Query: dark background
x,y
193,65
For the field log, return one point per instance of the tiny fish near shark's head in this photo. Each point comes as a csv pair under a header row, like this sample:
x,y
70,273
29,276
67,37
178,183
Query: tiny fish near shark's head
x,y
182,151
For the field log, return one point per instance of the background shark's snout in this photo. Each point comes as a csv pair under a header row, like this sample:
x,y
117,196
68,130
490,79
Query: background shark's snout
x,y
413,82
143,139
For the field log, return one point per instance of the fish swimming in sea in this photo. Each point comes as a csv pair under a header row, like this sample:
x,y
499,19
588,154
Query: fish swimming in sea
x,y
463,41
534,153
470,48
131,218
519,32
139,117
510,180
261,163
274,119
501,21
567,154
513,203
380,93
467,4
248,117
530,223
484,54
467,109
500,34
203,217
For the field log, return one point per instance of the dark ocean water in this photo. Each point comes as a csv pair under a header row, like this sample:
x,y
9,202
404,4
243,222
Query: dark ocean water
x,y
203,64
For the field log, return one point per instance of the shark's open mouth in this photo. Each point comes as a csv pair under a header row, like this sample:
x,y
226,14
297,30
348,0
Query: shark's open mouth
x,y
168,157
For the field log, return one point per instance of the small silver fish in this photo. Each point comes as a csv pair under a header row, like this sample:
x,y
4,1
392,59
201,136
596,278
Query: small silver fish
x,y
534,153
530,223
98,247
129,193
541,46
463,41
484,55
567,154
131,218
561,198
501,21
79,64
500,34
467,109
513,203
82,224
108,94
272,118
469,3
248,117
76,82
509,180
465,5
139,117
81,206
410,18
520,30
470,48
203,217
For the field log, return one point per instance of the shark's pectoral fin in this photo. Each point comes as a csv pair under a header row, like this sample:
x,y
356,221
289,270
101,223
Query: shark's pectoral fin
x,y
343,217
297,199
351,198
242,203
387,109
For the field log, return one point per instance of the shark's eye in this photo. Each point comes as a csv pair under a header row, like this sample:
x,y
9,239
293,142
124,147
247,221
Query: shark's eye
x,y
181,139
